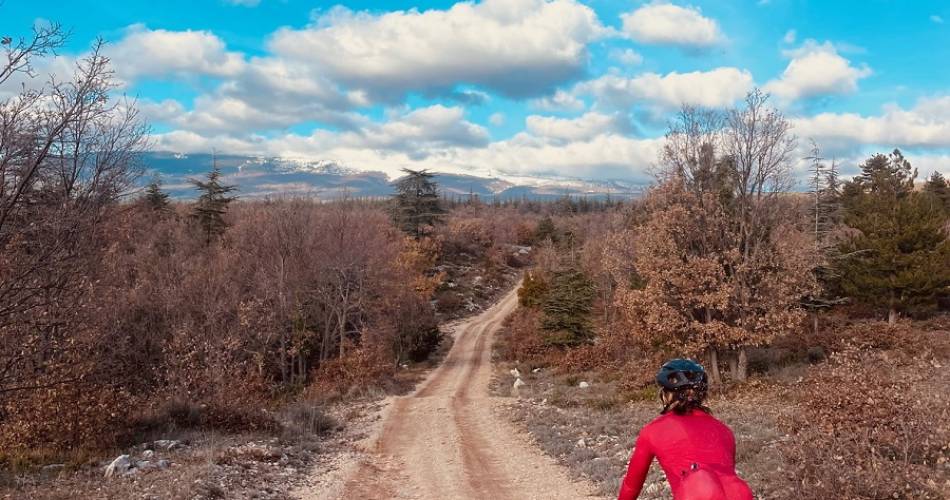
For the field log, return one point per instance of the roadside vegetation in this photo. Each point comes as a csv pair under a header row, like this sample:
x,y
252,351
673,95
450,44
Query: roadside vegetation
x,y
821,317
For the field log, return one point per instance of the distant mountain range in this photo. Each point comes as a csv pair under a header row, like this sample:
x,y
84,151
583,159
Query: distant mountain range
x,y
258,177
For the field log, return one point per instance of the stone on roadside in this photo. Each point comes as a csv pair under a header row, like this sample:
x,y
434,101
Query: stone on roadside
x,y
120,465
583,385
167,444
53,468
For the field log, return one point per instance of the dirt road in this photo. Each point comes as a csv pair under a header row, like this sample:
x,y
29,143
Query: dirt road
x,y
448,440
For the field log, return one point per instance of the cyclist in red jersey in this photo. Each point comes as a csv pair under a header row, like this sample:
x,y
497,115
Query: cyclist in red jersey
x,y
696,451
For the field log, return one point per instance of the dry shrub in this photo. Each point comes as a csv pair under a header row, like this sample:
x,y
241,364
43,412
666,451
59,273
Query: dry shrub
x,y
65,418
872,425
308,417
468,235
521,339
359,370
869,334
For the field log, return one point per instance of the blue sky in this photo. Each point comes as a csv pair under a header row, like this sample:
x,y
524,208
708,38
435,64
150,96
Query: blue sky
x,y
520,87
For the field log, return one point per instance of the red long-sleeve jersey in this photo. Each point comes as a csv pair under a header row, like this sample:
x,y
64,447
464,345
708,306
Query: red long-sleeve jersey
x,y
697,453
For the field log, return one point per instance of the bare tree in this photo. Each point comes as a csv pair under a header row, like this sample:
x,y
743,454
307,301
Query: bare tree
x,y
67,154
693,141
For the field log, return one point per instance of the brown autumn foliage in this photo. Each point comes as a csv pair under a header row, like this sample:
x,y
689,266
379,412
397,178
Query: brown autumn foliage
x,y
685,291
870,423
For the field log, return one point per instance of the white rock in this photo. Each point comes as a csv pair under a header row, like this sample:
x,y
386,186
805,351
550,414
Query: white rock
x,y
53,468
148,465
515,373
536,370
148,454
167,444
518,383
583,385
120,465
581,443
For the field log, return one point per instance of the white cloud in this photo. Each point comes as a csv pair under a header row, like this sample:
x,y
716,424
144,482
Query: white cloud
x,y
814,70
420,130
560,101
585,127
925,125
440,139
516,47
790,36
936,19
715,88
143,52
497,119
628,57
668,24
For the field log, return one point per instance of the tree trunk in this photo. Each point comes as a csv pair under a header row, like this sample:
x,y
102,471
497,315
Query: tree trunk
x,y
714,377
743,365
734,365
892,317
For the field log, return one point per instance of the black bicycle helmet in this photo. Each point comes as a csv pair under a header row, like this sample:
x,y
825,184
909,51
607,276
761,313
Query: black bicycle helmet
x,y
680,373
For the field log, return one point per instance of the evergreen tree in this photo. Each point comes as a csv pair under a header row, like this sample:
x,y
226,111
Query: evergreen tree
x,y
886,175
417,204
899,256
155,198
567,308
212,204
938,190
546,230
825,215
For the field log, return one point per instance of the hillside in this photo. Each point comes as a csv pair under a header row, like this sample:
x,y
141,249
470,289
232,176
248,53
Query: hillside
x,y
260,177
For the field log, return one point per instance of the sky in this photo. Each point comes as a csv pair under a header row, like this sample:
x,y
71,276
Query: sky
x,y
568,88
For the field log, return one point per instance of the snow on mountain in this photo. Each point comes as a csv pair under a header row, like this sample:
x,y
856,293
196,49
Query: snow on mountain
x,y
258,176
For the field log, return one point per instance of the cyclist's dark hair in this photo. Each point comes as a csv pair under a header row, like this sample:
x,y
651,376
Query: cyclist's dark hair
x,y
683,400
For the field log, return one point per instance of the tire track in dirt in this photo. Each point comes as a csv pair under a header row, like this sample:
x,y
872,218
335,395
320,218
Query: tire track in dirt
x,y
448,440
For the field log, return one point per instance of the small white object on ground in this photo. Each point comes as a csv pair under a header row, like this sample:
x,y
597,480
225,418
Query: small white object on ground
x,y
519,383
120,465
583,385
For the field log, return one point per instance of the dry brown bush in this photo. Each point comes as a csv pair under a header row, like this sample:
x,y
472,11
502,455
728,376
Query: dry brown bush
x,y
522,340
872,425
295,292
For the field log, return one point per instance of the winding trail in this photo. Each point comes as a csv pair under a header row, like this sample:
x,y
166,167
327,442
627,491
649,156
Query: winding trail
x,y
448,440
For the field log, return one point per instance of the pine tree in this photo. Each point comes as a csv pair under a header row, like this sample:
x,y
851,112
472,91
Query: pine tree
x,y
899,256
825,215
212,204
567,308
155,198
546,230
417,204
938,190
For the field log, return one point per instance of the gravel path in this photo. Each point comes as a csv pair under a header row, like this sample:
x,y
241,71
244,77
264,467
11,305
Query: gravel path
x,y
450,439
